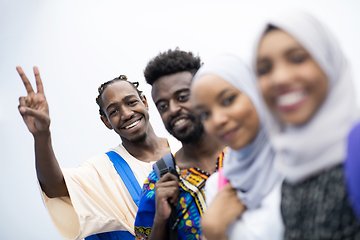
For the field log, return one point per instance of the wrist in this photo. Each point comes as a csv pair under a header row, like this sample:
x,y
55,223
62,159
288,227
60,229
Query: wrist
x,y
159,220
42,136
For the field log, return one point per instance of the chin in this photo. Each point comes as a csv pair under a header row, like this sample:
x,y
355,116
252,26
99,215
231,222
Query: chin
x,y
294,121
191,137
139,138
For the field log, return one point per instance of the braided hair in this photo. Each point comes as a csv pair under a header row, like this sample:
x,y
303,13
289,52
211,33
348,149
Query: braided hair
x,y
103,86
169,62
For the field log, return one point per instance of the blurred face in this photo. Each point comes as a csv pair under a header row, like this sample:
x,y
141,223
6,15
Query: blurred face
x,y
125,111
171,95
226,113
291,82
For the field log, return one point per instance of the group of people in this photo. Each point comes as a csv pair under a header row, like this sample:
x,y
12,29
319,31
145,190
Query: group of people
x,y
261,150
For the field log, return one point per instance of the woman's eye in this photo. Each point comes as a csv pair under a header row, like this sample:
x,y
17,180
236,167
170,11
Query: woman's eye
x,y
204,116
299,58
263,69
228,100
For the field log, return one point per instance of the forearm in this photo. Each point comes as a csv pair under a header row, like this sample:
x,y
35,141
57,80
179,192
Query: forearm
x,y
48,170
159,230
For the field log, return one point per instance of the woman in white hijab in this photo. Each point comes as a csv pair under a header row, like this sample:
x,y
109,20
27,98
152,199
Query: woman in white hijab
x,y
225,95
306,83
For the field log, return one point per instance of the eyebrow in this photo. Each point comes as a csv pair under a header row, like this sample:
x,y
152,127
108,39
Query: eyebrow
x,y
176,93
220,95
294,49
287,52
123,100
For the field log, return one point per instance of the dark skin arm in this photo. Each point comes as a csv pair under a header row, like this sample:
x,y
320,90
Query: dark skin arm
x,y
225,208
166,193
34,110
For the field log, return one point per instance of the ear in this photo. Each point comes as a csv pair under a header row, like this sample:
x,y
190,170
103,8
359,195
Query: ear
x,y
143,99
106,122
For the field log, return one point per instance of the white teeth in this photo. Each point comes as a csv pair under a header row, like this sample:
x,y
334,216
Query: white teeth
x,y
290,98
132,125
177,123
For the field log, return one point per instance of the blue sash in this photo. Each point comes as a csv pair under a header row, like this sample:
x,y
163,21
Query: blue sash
x,y
127,176
116,235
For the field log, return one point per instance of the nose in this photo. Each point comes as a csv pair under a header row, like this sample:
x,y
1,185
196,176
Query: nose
x,y
126,113
174,107
219,119
282,75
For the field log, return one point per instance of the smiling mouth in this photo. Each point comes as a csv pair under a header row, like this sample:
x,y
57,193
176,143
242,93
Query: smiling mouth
x,y
133,124
179,122
229,135
290,100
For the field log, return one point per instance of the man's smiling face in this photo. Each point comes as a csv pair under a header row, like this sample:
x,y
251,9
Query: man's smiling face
x,y
125,111
171,94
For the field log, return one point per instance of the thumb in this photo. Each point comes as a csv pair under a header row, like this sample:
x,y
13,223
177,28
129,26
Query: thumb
x,y
25,111
22,110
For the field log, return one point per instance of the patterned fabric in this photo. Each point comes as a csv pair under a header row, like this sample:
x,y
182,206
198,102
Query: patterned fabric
x,y
318,208
191,204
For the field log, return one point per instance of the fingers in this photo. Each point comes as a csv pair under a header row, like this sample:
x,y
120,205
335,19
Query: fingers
x,y
168,177
25,111
167,184
228,187
168,188
39,84
167,193
27,84
22,104
227,192
25,80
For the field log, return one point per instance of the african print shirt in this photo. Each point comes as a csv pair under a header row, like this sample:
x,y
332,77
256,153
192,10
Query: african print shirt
x,y
191,204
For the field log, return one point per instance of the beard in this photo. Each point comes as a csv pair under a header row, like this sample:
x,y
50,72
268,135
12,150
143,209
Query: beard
x,y
187,135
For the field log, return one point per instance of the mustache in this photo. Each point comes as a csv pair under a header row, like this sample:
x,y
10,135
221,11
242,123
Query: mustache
x,y
191,116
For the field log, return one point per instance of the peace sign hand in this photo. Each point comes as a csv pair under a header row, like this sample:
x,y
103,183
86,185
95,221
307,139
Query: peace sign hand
x,y
34,108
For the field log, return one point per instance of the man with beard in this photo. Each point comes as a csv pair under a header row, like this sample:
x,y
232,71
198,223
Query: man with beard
x,y
170,74
101,195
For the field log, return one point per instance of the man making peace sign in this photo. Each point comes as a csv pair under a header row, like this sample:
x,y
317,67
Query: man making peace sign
x,y
96,197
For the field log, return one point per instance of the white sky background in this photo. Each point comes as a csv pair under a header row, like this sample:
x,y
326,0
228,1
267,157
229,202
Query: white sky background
x,y
78,45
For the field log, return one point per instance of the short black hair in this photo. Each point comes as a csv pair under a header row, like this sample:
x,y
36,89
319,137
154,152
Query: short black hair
x,y
103,86
169,62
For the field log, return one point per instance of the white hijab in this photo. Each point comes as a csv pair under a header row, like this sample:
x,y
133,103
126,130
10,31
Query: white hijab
x,y
302,152
250,170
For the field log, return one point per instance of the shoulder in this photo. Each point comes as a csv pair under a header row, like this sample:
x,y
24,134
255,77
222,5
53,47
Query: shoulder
x,y
149,184
97,160
211,187
356,129
353,149
352,168
98,164
212,181
152,177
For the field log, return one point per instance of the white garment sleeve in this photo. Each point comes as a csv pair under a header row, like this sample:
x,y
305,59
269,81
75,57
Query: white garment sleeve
x,y
211,188
262,223
99,201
